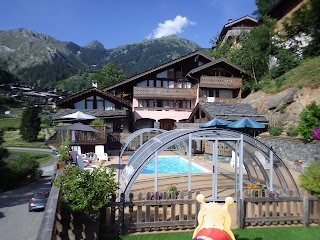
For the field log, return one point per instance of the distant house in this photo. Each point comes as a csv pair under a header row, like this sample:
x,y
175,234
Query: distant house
x,y
115,112
167,94
235,28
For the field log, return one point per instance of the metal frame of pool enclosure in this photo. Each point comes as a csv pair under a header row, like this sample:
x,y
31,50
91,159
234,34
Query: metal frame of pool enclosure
x,y
248,153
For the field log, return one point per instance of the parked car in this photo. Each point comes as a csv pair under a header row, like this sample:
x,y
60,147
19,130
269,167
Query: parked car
x,y
38,201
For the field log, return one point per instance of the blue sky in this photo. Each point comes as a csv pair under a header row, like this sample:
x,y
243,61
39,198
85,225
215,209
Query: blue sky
x,y
118,22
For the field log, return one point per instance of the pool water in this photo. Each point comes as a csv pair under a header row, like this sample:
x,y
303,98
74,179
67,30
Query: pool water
x,y
172,164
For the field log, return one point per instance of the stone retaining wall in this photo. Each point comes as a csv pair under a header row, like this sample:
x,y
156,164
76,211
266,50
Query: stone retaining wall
x,y
296,154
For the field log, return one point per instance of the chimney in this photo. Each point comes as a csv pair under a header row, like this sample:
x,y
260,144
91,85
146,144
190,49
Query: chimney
x,y
229,20
95,83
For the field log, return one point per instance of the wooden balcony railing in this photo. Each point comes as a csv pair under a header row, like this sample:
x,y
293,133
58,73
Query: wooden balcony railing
x,y
164,92
220,82
225,100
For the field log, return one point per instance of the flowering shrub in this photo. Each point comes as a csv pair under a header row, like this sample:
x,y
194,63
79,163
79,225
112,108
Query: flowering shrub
x,y
257,186
153,195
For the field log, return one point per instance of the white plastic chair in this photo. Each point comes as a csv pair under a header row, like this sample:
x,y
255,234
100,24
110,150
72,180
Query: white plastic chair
x,y
233,160
99,151
262,160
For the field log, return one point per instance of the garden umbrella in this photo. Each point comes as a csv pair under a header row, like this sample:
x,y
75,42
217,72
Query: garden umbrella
x,y
246,123
316,133
79,127
79,116
215,122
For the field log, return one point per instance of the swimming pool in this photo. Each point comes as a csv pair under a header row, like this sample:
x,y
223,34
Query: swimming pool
x,y
172,164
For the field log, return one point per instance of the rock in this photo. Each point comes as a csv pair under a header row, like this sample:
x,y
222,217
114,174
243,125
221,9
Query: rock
x,y
283,108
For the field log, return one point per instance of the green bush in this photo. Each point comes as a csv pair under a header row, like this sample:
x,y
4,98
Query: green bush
x,y
97,122
310,119
293,132
310,178
276,131
17,172
3,153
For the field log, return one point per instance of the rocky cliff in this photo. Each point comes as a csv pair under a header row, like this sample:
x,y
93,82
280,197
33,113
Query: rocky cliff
x,y
283,108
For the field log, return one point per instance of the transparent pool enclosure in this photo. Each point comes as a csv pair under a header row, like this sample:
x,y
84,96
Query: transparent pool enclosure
x,y
259,162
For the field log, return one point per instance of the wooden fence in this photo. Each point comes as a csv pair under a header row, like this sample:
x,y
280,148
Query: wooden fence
x,y
152,213
258,208
149,213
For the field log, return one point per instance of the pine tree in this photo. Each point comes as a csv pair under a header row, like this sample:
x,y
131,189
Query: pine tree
x,y
30,122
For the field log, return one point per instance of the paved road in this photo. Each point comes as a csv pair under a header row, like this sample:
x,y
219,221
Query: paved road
x,y
15,220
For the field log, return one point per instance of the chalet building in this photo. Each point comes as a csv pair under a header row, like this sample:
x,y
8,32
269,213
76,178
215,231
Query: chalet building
x,y
167,94
283,9
115,112
235,28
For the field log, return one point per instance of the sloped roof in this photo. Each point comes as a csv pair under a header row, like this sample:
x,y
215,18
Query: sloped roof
x,y
179,125
92,90
229,24
163,66
216,61
228,111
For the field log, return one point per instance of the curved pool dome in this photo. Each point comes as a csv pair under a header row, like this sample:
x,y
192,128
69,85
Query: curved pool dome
x,y
250,153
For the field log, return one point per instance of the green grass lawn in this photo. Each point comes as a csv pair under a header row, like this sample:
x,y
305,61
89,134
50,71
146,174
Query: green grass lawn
x,y
9,122
41,158
13,139
268,233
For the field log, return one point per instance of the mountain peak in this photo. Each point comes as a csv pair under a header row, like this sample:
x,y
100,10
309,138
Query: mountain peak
x,y
94,45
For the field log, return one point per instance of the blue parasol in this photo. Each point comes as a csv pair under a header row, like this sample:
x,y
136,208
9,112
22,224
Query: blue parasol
x,y
246,123
215,122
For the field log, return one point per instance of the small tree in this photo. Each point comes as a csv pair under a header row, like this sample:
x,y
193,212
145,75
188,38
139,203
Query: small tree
x,y
97,122
84,191
30,122
109,75
310,178
310,119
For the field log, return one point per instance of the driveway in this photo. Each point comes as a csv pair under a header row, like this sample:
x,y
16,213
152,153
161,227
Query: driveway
x,y
15,220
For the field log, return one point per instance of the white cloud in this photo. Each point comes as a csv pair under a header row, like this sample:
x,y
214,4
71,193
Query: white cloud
x,y
170,27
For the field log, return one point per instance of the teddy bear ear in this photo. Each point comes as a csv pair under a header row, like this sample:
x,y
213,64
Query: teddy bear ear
x,y
200,198
229,200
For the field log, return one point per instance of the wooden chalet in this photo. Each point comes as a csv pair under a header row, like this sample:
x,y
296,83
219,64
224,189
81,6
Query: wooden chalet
x,y
115,112
168,93
237,27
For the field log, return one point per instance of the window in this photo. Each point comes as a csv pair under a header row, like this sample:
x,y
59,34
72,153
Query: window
x,y
151,83
158,83
163,74
165,84
142,84
225,93
109,105
171,84
100,103
80,105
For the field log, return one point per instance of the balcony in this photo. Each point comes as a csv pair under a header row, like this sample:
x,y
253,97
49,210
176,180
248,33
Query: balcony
x,y
220,82
217,99
153,92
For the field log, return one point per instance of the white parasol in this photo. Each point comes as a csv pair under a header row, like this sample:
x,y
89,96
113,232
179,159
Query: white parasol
x,y
79,116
